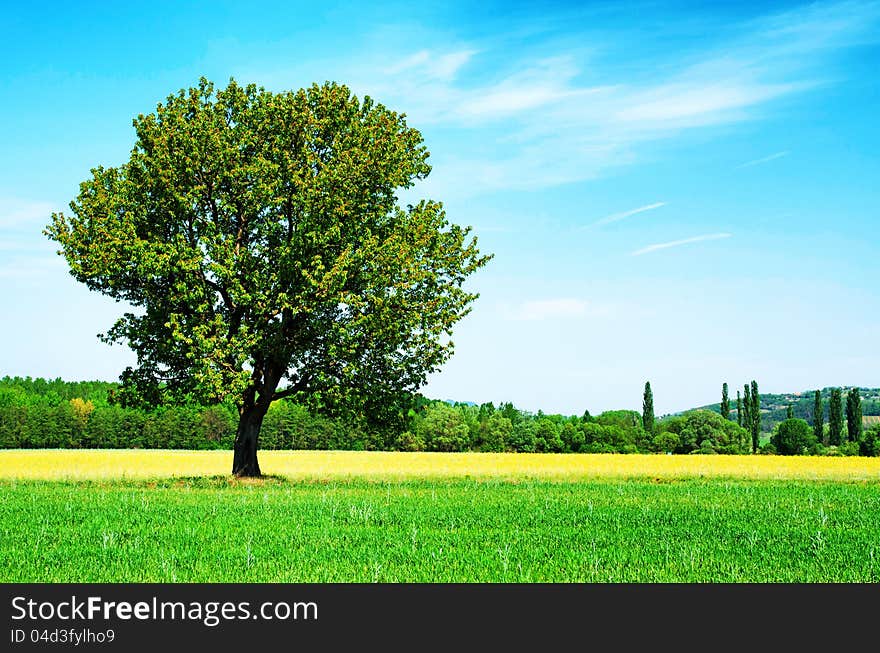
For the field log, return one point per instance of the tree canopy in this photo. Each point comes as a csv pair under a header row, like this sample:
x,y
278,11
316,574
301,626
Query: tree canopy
x,y
259,237
793,436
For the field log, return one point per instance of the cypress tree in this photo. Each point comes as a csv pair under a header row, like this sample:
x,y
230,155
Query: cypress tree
x,y
747,408
789,412
755,414
725,402
739,409
835,417
648,409
818,417
854,415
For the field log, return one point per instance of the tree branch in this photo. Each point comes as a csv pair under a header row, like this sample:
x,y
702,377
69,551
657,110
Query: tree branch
x,y
299,386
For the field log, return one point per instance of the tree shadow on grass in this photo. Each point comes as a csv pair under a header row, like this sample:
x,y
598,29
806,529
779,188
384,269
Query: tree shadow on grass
x,y
217,481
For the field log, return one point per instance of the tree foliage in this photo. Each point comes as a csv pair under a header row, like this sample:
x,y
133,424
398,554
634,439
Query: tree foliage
x,y
259,236
854,415
648,409
739,409
793,437
725,402
705,431
818,417
747,412
755,415
835,417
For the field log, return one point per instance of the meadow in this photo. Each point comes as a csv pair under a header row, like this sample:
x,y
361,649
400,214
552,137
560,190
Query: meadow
x,y
159,516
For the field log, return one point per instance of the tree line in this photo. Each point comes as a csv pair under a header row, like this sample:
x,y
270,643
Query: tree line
x,y
39,413
845,430
844,433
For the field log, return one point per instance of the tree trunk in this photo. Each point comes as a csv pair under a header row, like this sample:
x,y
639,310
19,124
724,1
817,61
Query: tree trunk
x,y
244,461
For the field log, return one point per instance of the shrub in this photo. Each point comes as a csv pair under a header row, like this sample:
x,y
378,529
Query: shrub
x,y
768,449
849,448
666,442
407,441
869,445
547,436
703,426
522,438
494,432
793,437
572,437
444,429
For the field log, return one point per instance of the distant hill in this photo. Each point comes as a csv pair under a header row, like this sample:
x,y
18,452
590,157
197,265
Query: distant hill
x,y
774,407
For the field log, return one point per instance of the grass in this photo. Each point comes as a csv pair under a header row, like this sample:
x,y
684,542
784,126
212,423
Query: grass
x,y
158,516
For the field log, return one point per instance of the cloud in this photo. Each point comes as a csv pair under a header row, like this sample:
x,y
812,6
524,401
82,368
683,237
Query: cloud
x,y
15,212
432,65
678,243
30,268
614,217
522,120
546,309
557,127
696,103
766,159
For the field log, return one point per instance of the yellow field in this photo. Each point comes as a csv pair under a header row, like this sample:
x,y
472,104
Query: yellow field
x,y
330,465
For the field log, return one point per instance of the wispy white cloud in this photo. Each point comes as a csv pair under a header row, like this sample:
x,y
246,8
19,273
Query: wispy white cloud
x,y
614,217
547,309
677,243
16,212
546,121
698,103
766,159
431,65
559,129
31,267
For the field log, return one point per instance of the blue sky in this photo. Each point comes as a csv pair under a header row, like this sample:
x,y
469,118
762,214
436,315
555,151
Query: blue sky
x,y
673,192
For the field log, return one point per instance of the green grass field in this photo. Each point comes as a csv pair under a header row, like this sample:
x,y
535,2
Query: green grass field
x,y
212,529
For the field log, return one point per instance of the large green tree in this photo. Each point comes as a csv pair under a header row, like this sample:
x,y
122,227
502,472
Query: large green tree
x,y
739,409
793,437
835,417
747,411
260,239
854,415
818,417
725,402
755,415
648,408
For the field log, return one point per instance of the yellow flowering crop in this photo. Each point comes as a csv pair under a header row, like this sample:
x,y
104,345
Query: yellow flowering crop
x,y
379,465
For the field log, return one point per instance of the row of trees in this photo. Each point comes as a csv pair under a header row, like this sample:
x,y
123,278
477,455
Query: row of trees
x,y
433,426
797,436
38,414
794,436
853,412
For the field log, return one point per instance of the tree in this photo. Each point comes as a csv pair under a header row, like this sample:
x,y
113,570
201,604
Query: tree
x,y
725,402
789,412
755,415
835,417
261,237
648,409
444,428
747,412
818,417
870,442
854,415
706,431
739,409
793,437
